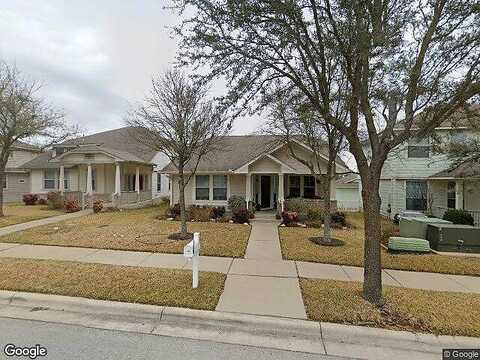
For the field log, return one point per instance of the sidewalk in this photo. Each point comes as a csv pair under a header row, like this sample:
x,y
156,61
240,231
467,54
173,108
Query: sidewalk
x,y
266,332
28,225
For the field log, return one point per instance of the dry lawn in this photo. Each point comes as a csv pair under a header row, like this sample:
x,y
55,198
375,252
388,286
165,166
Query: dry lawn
x,y
109,282
19,213
136,230
296,245
446,313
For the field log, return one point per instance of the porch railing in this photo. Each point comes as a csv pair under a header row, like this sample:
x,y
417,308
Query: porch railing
x,y
439,211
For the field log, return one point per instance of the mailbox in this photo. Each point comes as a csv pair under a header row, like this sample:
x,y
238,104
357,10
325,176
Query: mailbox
x,y
188,250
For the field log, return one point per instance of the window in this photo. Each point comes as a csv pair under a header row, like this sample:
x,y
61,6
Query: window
x,y
94,179
416,195
219,187
294,186
202,187
5,182
159,182
141,182
309,186
418,148
50,179
66,179
129,182
457,136
451,196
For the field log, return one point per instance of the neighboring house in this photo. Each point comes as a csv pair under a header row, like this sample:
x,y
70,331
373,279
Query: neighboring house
x,y
348,193
17,180
416,178
113,166
258,168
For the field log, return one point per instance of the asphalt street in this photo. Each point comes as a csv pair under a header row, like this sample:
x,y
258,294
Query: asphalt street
x,y
77,342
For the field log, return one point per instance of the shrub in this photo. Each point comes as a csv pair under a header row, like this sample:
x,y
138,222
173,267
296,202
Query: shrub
x,y
72,206
241,216
236,202
30,199
314,214
289,218
174,211
199,213
42,201
389,230
457,216
97,206
297,205
218,212
339,219
55,200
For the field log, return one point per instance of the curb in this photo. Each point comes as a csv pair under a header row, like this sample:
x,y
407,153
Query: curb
x,y
251,330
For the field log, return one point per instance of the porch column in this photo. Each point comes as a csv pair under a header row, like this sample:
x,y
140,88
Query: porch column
x,y
248,189
137,180
89,179
459,194
118,185
281,188
61,180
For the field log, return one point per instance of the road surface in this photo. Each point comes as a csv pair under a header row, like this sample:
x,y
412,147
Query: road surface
x,y
77,342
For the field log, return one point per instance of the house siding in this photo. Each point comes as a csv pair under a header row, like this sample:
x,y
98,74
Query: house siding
x,y
15,187
20,157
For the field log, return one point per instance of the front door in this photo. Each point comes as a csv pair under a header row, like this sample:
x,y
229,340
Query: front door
x,y
265,191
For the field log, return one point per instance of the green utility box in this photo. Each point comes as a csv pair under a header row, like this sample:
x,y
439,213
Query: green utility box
x,y
411,227
396,243
457,238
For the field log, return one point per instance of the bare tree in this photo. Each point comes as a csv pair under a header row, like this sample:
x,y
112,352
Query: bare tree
x,y
401,58
293,118
181,122
25,116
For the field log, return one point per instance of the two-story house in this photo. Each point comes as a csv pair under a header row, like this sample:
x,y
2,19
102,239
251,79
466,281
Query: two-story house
x,y
417,178
17,180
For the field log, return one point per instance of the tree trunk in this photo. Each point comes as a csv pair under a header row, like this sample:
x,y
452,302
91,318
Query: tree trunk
x,y
372,278
183,213
2,181
327,209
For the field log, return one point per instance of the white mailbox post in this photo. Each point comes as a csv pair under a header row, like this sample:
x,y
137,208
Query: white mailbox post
x,y
192,252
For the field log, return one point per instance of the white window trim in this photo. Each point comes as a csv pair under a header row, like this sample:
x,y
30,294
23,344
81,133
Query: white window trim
x,y
210,200
55,186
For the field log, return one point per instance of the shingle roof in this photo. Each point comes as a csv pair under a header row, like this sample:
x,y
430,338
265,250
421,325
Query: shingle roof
x,y
92,148
126,140
26,146
464,170
236,151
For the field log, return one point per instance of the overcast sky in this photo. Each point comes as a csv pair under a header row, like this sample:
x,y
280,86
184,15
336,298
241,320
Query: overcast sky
x,y
95,58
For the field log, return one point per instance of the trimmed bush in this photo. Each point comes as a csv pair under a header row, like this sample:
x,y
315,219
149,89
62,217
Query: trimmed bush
x,y
42,201
30,199
72,206
314,214
55,200
297,205
236,202
290,218
338,219
241,216
200,213
460,217
97,206
218,212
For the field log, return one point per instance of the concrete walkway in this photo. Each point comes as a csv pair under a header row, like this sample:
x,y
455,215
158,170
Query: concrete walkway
x,y
243,267
28,225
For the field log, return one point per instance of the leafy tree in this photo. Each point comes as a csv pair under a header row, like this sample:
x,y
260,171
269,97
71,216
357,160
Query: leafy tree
x,y
180,121
25,116
401,58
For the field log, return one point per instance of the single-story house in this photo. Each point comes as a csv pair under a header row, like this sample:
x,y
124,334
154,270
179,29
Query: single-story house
x,y
349,197
259,168
114,166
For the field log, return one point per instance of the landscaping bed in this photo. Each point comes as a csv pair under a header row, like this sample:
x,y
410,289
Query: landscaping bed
x,y
19,213
108,282
295,245
445,313
136,230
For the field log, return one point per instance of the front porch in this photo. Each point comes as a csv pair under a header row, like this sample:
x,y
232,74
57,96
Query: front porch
x,y
268,191
116,184
446,194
